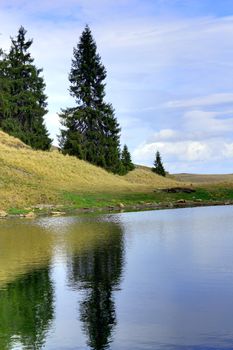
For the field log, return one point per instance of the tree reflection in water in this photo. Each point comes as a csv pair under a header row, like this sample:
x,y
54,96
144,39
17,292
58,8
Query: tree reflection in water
x,y
97,271
26,310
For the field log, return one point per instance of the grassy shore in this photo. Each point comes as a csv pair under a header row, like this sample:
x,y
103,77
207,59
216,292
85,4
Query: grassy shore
x,y
72,202
29,177
48,181
156,199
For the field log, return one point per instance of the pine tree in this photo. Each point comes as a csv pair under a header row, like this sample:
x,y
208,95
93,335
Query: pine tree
x,y
24,102
91,128
126,160
158,165
4,88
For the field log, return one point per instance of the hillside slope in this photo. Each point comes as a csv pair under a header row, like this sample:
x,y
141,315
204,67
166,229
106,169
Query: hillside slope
x,y
30,177
205,179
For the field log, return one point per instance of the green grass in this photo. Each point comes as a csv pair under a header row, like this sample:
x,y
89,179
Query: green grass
x,y
217,193
16,211
72,200
87,200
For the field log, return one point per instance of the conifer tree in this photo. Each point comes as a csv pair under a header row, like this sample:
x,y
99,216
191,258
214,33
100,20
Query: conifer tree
x,y
23,99
91,129
4,88
126,160
158,165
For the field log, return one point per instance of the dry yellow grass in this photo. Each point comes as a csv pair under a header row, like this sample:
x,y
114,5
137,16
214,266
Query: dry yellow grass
x,y
206,179
30,177
22,250
144,177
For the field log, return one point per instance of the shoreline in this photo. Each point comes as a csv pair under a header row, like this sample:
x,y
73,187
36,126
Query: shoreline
x,y
59,210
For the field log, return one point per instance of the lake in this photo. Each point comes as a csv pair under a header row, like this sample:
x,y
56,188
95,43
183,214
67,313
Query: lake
x,y
134,281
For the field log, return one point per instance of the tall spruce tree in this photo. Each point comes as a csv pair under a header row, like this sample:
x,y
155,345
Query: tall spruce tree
x,y
158,165
22,97
127,164
4,88
91,129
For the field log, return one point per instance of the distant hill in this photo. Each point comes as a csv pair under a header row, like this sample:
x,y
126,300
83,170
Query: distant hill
x,y
30,177
204,178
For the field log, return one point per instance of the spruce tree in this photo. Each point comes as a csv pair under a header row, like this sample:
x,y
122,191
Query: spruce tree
x,y
91,129
24,102
4,88
126,160
158,165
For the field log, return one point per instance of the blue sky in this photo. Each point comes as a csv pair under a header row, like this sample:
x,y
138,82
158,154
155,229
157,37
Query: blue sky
x,y
169,64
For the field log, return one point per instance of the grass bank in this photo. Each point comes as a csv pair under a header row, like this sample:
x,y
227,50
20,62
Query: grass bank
x,y
73,203
48,181
29,178
209,195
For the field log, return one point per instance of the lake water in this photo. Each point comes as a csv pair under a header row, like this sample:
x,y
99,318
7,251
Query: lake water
x,y
135,281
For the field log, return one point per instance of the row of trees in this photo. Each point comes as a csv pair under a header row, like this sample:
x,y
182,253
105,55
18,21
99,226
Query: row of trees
x,y
90,129
22,97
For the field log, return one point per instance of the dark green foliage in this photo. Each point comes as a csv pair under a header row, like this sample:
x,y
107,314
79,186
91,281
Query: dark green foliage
x,y
91,130
97,272
22,98
126,161
27,310
158,165
4,88
87,72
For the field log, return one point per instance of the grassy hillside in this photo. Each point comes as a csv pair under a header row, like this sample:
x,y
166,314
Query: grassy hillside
x,y
29,177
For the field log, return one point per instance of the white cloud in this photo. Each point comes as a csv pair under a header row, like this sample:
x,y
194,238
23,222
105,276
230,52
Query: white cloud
x,y
210,100
53,124
187,152
228,150
198,138
205,124
166,134
184,151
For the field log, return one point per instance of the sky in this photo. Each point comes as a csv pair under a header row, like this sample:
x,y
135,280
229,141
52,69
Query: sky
x,y
169,71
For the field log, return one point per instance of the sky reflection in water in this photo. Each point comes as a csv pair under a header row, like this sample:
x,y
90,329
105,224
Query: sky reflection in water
x,y
148,280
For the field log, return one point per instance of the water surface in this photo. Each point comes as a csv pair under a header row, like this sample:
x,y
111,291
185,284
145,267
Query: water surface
x,y
146,280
